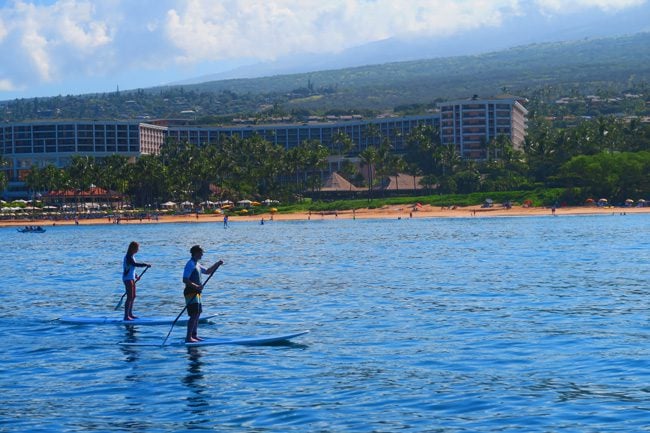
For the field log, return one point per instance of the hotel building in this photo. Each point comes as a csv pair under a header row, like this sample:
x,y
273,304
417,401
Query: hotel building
x,y
471,124
468,124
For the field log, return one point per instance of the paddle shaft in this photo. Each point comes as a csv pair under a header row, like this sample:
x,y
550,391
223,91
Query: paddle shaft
x,y
137,278
185,307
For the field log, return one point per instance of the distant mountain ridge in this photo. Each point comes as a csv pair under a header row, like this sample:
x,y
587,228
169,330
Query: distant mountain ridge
x,y
530,27
575,63
608,66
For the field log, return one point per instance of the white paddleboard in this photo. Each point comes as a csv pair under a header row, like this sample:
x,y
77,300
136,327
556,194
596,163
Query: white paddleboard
x,y
244,341
138,321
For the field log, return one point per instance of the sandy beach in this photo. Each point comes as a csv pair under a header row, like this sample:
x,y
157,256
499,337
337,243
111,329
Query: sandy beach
x,y
387,212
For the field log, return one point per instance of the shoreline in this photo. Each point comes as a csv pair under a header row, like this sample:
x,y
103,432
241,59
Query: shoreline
x,y
387,212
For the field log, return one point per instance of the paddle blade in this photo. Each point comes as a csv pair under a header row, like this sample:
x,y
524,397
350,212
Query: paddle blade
x,y
119,304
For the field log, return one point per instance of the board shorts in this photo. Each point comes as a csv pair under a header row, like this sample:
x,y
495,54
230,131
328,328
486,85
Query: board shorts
x,y
194,309
192,301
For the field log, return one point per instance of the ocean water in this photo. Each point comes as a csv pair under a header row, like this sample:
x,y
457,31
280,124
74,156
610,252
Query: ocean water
x,y
536,324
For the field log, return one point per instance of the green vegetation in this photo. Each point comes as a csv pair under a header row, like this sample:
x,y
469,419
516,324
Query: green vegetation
x,y
540,197
608,68
603,157
585,137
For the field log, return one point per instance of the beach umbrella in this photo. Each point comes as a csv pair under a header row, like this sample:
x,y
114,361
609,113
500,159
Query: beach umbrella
x,y
629,200
244,203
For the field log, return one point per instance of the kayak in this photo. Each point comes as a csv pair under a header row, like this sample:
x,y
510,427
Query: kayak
x,y
138,321
242,341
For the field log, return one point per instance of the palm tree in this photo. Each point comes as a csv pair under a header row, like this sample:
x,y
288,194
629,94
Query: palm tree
x,y
372,132
3,175
82,172
369,158
113,173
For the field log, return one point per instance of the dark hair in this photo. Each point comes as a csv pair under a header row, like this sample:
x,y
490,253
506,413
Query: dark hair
x,y
133,247
196,249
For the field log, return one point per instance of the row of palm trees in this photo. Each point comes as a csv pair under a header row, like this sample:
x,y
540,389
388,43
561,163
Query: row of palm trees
x,y
255,168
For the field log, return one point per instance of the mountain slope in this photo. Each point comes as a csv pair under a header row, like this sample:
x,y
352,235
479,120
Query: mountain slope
x,y
587,64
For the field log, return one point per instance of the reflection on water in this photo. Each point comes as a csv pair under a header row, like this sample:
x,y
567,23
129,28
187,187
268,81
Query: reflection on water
x,y
194,380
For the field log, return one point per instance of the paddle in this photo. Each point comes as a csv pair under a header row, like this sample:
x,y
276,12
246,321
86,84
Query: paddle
x,y
137,278
185,307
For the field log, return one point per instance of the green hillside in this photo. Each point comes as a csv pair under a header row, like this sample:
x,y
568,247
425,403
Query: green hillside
x,y
586,65
606,67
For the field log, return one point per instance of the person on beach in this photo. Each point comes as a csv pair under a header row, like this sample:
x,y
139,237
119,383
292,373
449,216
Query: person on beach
x,y
128,277
193,288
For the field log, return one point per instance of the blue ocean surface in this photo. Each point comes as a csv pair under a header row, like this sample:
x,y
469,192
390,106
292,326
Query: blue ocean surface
x,y
533,324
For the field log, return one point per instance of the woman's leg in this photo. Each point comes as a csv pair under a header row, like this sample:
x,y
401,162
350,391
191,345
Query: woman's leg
x,y
192,325
129,286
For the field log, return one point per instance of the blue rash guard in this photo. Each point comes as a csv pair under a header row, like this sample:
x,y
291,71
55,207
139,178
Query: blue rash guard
x,y
192,272
128,267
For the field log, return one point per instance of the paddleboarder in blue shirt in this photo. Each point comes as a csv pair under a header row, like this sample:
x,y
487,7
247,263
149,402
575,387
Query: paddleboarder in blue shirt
x,y
193,288
128,277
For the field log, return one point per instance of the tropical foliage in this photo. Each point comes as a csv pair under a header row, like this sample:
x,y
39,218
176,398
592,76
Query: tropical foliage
x,y
600,157
607,68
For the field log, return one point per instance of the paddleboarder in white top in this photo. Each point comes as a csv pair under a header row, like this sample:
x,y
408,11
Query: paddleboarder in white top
x,y
193,288
128,277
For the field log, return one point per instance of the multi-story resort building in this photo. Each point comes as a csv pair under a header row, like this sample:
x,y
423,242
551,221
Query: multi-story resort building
x,y
471,124
468,124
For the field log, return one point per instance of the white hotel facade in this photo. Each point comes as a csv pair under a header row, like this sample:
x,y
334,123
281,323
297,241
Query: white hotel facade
x,y
472,123
467,124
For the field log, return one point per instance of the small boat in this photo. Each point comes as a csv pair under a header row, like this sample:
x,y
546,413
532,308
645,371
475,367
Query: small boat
x,y
31,229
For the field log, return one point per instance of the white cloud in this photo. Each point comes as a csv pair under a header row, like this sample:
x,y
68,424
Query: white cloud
x,y
3,30
7,86
270,28
45,42
49,41
563,7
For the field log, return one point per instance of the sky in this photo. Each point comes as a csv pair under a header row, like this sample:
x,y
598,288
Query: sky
x,y
61,47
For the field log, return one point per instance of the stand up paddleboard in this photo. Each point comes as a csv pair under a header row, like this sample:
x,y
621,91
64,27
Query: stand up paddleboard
x,y
242,341
138,321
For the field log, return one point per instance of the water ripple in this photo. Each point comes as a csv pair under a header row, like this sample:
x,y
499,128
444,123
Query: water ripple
x,y
459,325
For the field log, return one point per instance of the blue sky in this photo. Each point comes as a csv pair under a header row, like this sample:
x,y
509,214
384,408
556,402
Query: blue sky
x,y
81,46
